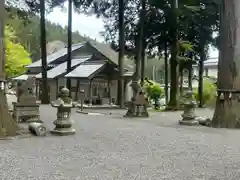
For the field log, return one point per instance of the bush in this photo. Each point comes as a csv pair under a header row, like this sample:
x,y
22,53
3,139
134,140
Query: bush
x,y
209,92
154,91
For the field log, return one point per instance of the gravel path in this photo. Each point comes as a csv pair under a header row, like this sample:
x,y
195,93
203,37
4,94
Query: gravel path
x,y
115,148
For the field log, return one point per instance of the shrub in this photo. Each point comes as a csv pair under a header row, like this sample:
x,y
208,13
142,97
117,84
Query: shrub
x,y
154,91
209,92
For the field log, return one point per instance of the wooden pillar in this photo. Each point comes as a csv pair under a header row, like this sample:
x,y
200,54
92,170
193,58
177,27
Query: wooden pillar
x,y
109,92
39,89
56,87
98,94
77,90
90,92
36,88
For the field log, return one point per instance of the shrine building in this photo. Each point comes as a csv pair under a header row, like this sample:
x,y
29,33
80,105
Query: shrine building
x,y
95,70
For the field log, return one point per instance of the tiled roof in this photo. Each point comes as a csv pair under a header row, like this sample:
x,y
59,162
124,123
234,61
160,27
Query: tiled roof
x,y
102,48
62,68
84,70
109,53
58,54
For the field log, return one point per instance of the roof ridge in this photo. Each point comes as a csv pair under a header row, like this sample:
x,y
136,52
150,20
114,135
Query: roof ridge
x,y
62,51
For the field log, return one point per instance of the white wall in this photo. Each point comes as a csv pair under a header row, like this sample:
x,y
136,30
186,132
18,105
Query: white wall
x,y
208,71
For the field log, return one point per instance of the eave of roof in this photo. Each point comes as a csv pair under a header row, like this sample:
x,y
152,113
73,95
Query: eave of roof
x,y
62,68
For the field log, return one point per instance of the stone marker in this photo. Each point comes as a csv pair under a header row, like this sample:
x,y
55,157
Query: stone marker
x,y
37,129
26,107
137,107
63,124
189,115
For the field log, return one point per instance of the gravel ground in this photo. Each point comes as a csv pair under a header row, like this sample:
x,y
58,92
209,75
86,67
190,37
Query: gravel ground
x,y
116,148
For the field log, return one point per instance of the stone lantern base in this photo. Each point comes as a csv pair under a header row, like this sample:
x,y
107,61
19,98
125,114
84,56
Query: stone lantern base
x,y
192,122
63,131
189,115
63,128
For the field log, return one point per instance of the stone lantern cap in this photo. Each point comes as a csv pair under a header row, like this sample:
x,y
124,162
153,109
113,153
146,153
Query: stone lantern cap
x,y
64,91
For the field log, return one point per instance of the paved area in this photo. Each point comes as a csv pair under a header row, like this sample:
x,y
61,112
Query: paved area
x,y
114,148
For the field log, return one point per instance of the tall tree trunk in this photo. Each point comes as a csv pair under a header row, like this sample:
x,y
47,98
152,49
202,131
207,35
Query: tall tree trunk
x,y
200,76
121,96
45,96
166,71
181,82
140,41
7,126
227,112
154,73
143,14
69,49
173,102
190,72
143,64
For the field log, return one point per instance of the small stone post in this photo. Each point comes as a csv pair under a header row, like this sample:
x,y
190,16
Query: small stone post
x,y
63,123
189,115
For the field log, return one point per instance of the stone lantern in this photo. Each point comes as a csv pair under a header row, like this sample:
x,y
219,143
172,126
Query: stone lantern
x,y
63,123
189,115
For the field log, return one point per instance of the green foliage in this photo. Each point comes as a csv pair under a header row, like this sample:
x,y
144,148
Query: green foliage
x,y
154,91
185,46
197,20
16,56
209,92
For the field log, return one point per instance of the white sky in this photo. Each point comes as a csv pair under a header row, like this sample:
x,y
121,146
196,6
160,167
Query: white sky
x,y
88,25
213,53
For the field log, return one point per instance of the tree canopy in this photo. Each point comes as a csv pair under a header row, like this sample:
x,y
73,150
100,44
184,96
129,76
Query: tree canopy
x,y
17,56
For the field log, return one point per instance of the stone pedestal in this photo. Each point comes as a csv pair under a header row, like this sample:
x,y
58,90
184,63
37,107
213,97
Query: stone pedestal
x,y
63,124
189,115
26,108
26,112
